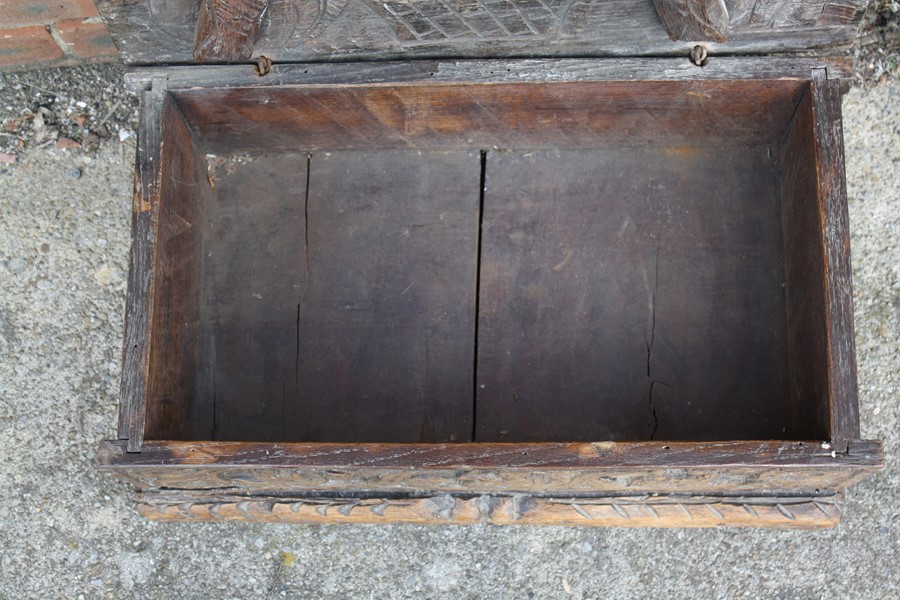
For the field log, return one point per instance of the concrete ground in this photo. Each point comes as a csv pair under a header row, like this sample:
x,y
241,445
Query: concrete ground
x,y
67,531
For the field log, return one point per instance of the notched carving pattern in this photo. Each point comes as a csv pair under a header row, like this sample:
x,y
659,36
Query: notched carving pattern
x,y
424,21
643,511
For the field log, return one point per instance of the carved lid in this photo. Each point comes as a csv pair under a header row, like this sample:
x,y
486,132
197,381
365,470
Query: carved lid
x,y
188,31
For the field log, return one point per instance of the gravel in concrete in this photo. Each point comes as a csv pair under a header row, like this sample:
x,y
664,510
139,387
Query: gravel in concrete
x,y
68,532
79,106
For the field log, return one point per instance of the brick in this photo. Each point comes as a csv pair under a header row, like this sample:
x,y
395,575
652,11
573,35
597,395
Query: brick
x,y
26,46
15,13
86,40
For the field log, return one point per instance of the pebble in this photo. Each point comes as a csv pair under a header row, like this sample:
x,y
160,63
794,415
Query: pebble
x,y
103,275
16,265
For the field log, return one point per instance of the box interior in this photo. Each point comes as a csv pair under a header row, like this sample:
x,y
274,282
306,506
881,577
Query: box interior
x,y
524,262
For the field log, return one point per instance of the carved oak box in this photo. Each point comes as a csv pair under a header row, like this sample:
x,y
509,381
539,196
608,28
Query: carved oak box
x,y
401,261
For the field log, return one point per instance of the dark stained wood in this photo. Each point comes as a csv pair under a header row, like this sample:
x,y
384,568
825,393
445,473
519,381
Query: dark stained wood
x,y
817,268
341,308
642,511
386,316
174,350
226,30
507,115
141,274
832,202
804,269
253,269
639,292
339,304
694,20
730,468
163,31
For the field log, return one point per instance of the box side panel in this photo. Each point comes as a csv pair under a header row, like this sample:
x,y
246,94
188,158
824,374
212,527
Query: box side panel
x,y
804,269
141,278
175,326
819,288
486,114
832,200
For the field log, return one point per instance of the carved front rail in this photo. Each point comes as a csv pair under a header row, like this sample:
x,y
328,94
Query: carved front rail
x,y
642,511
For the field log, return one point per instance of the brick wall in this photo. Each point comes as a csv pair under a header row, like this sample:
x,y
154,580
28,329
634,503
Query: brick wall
x,y
35,33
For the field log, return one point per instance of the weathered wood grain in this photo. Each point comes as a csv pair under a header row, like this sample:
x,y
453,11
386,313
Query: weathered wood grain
x,y
626,511
253,269
863,453
487,71
163,31
562,469
385,316
174,360
504,115
817,268
226,30
338,305
141,274
832,203
694,20
639,288
804,270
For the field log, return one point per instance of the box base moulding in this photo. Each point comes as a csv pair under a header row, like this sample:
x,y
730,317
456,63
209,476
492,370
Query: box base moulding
x,y
450,509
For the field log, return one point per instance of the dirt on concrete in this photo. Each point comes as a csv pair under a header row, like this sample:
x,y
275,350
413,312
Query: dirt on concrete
x,y
876,51
73,108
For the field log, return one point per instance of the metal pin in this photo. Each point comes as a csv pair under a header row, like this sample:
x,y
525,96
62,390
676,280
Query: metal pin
x,y
263,65
699,56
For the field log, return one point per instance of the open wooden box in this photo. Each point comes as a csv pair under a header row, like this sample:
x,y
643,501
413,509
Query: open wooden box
x,y
556,291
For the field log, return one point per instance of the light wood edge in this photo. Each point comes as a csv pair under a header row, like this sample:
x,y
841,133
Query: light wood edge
x,y
444,71
142,263
646,511
833,211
